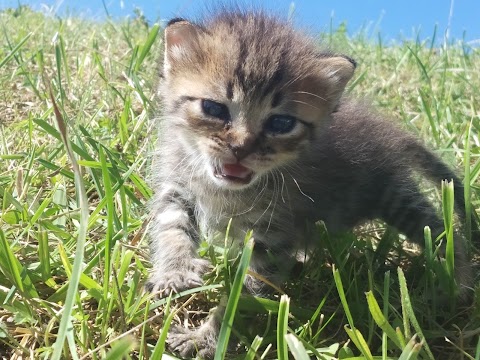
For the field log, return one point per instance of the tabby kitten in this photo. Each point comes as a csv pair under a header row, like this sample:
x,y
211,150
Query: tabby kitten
x,y
255,129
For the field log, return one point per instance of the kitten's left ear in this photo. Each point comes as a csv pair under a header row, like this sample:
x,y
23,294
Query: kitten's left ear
x,y
336,71
181,39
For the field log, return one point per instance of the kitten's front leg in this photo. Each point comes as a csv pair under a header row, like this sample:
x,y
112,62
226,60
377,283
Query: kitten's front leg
x,y
174,241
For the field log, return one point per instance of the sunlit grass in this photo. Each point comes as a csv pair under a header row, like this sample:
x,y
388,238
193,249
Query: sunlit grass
x,y
352,298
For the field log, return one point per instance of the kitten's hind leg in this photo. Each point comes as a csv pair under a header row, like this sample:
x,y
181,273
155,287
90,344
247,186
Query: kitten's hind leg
x,y
270,265
201,341
409,211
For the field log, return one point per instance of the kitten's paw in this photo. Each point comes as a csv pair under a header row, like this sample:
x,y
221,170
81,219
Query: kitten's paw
x,y
201,342
178,280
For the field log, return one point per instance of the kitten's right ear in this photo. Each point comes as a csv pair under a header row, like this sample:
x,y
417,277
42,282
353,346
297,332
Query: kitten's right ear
x,y
181,38
334,71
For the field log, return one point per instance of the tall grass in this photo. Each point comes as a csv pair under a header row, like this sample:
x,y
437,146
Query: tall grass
x,y
72,273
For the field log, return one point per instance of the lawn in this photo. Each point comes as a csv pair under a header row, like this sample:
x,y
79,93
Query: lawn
x,y
78,116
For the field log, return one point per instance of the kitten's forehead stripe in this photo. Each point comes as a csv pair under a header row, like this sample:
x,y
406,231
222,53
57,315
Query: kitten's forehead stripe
x,y
230,90
261,45
239,72
274,81
259,72
277,98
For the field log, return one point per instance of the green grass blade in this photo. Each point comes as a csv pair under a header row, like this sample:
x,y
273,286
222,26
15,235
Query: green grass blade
x,y
66,322
431,120
40,211
429,255
355,335
386,296
448,205
58,61
296,348
421,65
14,271
467,192
409,313
252,350
49,129
84,279
159,349
15,50
44,258
264,306
232,302
49,165
109,230
121,348
282,327
341,294
380,319
411,351
431,270
359,341
152,35
477,350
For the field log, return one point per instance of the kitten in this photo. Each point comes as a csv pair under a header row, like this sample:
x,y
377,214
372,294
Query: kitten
x,y
255,128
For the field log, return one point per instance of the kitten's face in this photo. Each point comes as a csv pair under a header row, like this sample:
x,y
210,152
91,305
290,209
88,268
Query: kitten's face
x,y
245,103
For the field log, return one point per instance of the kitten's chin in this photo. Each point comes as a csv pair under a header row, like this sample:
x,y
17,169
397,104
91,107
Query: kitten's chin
x,y
233,176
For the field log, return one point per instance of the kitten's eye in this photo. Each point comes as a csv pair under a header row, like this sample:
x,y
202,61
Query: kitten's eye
x,y
280,124
215,109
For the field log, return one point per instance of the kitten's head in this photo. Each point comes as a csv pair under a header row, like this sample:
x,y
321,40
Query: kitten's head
x,y
247,94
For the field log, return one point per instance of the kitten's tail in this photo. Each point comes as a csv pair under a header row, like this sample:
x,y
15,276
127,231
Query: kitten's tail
x,y
435,169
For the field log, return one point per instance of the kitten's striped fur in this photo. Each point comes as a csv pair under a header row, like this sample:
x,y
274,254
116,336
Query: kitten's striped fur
x,y
340,163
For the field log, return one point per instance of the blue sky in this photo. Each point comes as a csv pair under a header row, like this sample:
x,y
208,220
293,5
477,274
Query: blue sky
x,y
395,19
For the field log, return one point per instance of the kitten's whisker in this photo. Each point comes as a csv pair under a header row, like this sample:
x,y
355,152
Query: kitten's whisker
x,y
186,157
288,83
196,163
309,93
299,189
305,103
283,186
275,194
192,163
268,206
257,199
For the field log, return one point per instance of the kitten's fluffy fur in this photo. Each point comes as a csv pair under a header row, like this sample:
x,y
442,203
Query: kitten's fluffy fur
x,y
338,162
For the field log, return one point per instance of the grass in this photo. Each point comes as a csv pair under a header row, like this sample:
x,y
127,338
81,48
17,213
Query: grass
x,y
72,273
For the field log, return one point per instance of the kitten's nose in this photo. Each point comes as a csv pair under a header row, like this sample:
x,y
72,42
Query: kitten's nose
x,y
241,149
240,152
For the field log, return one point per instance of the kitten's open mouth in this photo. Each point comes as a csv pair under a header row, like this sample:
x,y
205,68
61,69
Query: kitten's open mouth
x,y
234,172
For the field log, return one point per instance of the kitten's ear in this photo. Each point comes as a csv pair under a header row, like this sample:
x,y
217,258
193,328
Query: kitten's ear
x,y
337,71
181,38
